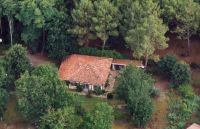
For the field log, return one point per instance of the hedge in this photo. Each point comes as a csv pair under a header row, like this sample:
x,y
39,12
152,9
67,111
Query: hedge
x,y
102,53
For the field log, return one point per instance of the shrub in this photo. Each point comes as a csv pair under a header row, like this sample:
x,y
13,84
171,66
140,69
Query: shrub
x,y
103,53
140,108
186,91
110,96
98,91
166,65
180,111
100,117
181,74
16,61
3,101
131,84
154,92
79,88
60,119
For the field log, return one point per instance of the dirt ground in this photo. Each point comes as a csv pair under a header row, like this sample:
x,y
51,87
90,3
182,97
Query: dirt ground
x,y
37,59
178,48
15,126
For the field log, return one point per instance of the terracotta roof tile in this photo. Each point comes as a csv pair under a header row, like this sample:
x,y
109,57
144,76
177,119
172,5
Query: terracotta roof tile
x,y
85,69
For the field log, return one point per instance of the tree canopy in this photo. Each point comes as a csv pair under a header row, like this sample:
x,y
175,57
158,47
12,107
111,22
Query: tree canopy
x,y
132,83
41,90
101,117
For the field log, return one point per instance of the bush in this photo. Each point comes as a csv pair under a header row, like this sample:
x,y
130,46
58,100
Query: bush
x,y
133,87
98,91
16,61
60,119
166,65
181,74
154,92
110,96
3,101
103,53
140,108
186,91
180,111
79,88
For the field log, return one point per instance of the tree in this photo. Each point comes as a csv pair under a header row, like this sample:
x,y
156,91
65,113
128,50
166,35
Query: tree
x,y
148,33
3,76
140,107
64,118
10,8
131,79
41,90
132,83
101,117
127,15
181,74
169,9
60,42
35,14
166,65
82,19
106,20
1,14
188,20
16,61
3,101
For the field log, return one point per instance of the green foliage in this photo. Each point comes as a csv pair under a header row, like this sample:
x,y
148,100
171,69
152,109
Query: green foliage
x,y
132,82
180,111
59,41
186,91
131,79
188,19
16,61
41,90
82,19
64,118
148,32
3,76
3,101
98,90
154,92
80,88
34,15
106,20
181,74
101,117
140,108
103,53
166,65
127,17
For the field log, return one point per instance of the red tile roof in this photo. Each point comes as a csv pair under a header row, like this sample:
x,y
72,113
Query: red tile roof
x,y
194,126
85,69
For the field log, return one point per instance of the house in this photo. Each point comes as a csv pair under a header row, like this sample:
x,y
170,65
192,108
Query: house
x,y
90,71
194,126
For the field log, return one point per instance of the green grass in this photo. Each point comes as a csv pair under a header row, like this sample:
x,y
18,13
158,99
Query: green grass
x,y
89,102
